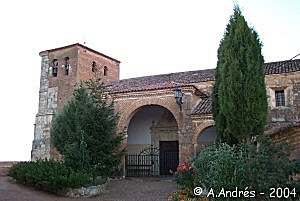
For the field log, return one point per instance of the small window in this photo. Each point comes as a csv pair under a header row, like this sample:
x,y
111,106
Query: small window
x,y
94,66
105,71
54,67
67,65
279,98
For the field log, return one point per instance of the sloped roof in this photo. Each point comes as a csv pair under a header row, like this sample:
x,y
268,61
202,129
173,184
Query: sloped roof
x,y
160,81
189,77
82,46
279,67
203,107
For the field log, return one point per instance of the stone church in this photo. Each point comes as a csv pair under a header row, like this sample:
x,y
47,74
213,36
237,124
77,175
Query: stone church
x,y
168,113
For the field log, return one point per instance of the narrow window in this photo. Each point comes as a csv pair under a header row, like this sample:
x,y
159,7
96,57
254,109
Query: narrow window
x,y
279,98
105,71
67,65
94,66
54,67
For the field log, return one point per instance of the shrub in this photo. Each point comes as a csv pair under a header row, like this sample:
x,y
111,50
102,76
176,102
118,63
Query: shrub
x,y
257,167
221,166
184,176
268,164
78,179
48,175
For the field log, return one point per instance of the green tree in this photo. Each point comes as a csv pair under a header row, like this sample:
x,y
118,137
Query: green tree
x,y
84,132
239,101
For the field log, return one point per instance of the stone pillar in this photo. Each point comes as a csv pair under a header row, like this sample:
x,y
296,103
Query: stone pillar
x,y
195,149
47,107
186,148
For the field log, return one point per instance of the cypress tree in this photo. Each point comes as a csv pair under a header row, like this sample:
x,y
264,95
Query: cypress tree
x,y
239,101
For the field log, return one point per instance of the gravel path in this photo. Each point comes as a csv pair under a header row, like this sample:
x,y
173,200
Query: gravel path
x,y
131,189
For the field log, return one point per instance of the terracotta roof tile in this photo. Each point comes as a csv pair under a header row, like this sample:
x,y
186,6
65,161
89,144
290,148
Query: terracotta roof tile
x,y
279,67
204,107
189,77
160,81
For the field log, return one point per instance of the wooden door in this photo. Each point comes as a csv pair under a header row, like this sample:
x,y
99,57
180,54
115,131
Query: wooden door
x,y
168,156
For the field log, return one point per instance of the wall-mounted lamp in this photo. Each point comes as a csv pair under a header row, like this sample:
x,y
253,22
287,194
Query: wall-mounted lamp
x,y
178,96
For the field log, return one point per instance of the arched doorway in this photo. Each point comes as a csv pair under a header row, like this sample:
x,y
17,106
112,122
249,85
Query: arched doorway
x,y
206,138
152,142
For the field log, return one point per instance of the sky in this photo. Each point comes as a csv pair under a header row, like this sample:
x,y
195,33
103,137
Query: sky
x,y
148,37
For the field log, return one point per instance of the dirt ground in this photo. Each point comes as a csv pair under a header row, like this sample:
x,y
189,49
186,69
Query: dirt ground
x,y
131,189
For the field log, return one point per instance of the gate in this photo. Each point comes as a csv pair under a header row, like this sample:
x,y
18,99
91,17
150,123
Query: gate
x,y
146,163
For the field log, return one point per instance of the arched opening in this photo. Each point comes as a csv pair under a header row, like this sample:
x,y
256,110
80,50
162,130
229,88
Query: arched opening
x,y
105,71
206,138
152,132
94,66
67,65
54,67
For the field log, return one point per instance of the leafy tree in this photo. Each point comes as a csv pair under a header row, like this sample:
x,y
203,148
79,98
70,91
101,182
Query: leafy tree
x,y
84,131
239,102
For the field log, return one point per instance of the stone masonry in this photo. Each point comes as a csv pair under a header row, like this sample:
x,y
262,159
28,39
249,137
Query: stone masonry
x,y
129,95
57,86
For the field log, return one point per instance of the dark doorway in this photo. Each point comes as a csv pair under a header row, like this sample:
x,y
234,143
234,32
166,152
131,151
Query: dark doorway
x,y
168,156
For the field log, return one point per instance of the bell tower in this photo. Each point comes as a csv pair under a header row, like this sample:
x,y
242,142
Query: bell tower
x,y
61,69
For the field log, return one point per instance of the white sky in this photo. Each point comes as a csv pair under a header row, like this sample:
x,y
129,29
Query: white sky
x,y
148,37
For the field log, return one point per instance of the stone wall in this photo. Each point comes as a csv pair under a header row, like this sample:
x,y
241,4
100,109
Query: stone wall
x,y
191,127
292,137
126,104
165,129
55,91
87,57
283,115
41,142
64,83
80,64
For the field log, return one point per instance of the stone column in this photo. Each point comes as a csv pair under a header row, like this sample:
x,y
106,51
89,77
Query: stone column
x,y
41,142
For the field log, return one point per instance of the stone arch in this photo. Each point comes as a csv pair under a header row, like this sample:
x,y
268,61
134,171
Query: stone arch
x,y
200,128
134,106
198,131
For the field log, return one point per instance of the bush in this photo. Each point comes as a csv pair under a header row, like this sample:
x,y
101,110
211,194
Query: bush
x,y
185,176
268,164
257,167
78,179
220,167
48,175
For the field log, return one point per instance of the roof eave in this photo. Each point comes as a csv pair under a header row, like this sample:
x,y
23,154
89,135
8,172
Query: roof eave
x,y
45,52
